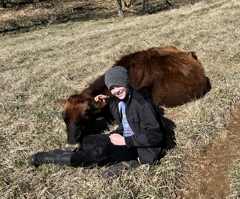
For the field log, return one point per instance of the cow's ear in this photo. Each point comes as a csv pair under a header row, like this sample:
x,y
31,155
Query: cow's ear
x,y
61,101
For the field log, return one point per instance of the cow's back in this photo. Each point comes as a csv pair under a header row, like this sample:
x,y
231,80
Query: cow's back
x,y
169,76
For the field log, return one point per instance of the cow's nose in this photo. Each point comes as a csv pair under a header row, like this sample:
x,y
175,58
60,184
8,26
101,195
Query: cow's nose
x,y
72,147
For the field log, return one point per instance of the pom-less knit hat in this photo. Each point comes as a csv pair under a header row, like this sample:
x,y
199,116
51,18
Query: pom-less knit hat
x,y
117,76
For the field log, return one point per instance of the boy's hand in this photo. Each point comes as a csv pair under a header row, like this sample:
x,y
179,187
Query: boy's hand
x,y
101,98
117,139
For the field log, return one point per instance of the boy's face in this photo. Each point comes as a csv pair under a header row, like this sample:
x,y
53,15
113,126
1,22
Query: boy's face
x,y
119,91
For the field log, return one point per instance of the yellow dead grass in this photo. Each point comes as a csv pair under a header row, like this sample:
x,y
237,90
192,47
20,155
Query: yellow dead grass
x,y
63,59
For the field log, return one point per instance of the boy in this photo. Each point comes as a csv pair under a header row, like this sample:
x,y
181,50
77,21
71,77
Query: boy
x,y
139,133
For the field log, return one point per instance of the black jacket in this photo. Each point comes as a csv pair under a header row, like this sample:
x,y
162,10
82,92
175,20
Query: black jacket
x,y
142,117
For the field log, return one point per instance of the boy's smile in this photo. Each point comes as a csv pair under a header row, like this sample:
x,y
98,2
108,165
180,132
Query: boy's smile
x,y
119,91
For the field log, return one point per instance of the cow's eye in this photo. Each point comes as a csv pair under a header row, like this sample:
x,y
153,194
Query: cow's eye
x,y
87,114
85,117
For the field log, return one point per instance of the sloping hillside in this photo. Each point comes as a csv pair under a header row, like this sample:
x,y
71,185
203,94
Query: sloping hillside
x,y
58,60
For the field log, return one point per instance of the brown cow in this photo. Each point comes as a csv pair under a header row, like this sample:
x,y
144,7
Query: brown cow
x,y
169,76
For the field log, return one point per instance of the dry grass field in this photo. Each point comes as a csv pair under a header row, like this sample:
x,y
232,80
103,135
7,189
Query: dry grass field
x,y
62,59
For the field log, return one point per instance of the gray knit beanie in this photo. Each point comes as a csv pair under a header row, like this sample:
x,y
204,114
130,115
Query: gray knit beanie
x,y
117,76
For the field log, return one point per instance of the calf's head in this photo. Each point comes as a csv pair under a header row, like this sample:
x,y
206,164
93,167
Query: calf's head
x,y
78,115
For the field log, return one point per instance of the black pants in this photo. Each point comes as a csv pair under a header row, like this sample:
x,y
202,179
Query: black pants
x,y
98,148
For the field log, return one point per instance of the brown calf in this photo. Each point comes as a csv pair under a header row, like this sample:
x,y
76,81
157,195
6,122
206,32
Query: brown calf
x,y
169,76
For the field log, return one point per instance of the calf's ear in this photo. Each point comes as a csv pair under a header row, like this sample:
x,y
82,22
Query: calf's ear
x,y
61,101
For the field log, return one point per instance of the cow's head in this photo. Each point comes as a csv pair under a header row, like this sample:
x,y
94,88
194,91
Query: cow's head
x,y
79,116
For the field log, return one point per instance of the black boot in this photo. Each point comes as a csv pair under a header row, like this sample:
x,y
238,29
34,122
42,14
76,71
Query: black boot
x,y
56,156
